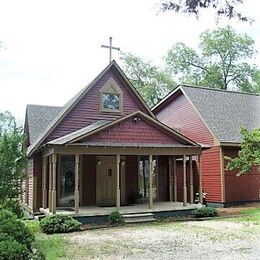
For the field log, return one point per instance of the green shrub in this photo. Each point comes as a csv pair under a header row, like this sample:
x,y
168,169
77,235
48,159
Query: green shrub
x,y
205,212
14,206
15,228
59,224
33,226
115,217
11,249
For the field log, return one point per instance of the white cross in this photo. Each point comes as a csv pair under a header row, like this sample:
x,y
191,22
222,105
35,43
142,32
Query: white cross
x,y
110,47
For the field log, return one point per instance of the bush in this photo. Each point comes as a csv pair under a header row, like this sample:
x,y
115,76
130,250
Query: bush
x,y
10,225
11,249
205,212
115,217
59,224
14,206
33,226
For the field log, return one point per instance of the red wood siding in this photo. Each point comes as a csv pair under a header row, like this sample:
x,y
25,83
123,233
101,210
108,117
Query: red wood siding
x,y
163,179
130,132
180,114
211,174
242,188
87,110
88,180
131,177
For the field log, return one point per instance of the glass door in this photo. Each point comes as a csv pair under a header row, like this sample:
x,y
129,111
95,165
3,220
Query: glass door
x,y
67,180
144,181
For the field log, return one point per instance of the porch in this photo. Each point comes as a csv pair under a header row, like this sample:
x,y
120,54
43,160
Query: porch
x,y
137,208
129,180
94,214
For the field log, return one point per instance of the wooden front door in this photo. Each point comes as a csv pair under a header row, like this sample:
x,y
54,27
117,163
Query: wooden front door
x,y
106,181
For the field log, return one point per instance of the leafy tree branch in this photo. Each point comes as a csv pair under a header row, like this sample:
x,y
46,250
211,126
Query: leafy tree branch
x,y
249,155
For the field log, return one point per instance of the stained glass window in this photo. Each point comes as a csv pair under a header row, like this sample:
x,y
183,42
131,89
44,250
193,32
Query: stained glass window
x,y
111,101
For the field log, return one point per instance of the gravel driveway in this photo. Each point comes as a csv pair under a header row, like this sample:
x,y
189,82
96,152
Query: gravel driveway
x,y
214,239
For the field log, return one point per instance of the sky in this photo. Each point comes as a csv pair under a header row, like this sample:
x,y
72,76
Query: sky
x,y
52,48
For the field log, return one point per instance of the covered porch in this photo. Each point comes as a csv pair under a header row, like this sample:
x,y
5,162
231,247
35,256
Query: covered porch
x,y
91,180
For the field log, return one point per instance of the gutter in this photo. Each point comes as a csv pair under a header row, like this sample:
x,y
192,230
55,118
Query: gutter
x,y
230,144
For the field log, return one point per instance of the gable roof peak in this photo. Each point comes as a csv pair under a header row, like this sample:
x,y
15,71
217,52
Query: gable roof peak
x,y
72,103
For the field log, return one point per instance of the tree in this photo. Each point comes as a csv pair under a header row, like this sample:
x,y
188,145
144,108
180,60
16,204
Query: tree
x,y
12,158
249,155
222,61
227,8
150,81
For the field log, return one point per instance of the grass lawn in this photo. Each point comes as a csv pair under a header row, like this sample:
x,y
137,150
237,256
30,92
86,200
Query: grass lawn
x,y
233,238
251,211
252,214
52,246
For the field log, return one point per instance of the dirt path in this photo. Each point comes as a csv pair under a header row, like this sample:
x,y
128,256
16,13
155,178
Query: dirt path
x,y
213,239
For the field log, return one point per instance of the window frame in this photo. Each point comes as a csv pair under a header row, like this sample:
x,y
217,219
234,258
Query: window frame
x,y
110,87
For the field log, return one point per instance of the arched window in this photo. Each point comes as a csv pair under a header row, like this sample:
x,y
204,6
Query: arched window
x,y
111,97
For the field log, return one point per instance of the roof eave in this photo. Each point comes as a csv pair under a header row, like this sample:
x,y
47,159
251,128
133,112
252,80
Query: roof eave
x,y
157,107
230,144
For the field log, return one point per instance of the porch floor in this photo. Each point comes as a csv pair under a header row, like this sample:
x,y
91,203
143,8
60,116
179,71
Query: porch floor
x,y
137,208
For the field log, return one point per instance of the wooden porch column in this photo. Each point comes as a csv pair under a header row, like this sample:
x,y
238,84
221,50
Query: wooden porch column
x,y
175,179
50,184
150,181
117,181
76,183
27,190
200,179
54,177
44,180
191,181
170,178
184,182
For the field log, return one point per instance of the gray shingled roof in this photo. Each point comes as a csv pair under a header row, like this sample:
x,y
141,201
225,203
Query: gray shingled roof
x,y
225,112
81,132
39,117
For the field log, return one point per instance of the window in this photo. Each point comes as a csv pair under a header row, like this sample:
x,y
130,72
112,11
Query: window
x,y
111,101
111,97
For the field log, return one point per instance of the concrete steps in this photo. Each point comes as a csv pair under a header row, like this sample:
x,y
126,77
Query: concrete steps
x,y
138,218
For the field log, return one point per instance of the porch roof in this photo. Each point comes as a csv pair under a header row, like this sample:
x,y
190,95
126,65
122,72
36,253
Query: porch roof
x,y
81,136
134,145
122,149
83,131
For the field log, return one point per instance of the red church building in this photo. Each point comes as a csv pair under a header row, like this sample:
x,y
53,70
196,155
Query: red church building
x,y
213,118
106,149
